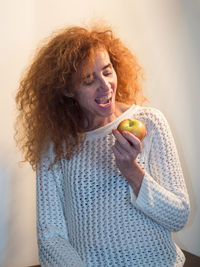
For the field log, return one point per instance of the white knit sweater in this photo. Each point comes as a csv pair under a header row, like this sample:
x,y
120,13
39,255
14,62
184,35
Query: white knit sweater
x,y
88,215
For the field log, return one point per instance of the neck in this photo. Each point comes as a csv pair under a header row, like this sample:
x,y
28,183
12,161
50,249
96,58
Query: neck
x,y
97,122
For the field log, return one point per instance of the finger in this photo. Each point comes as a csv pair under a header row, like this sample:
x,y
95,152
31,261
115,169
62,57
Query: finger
x,y
121,140
116,152
128,140
133,140
120,148
126,155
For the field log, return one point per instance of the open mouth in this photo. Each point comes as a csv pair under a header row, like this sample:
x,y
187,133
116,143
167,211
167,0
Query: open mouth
x,y
104,101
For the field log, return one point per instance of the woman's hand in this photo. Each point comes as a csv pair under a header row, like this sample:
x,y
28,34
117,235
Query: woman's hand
x,y
126,149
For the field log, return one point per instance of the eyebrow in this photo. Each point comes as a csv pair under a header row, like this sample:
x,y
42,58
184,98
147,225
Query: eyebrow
x,y
107,66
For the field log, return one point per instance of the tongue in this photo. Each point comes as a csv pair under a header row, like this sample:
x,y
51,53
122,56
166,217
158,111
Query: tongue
x,y
105,101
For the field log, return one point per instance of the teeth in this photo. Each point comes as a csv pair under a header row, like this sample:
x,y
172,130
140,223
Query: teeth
x,y
99,100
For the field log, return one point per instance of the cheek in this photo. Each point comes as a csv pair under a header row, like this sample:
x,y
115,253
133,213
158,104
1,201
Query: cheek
x,y
115,77
84,98
115,82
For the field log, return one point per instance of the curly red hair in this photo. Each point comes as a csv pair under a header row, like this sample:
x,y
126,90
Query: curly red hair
x,y
45,113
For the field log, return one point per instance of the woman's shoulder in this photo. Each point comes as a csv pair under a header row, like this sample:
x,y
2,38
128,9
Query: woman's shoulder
x,y
144,113
149,112
151,115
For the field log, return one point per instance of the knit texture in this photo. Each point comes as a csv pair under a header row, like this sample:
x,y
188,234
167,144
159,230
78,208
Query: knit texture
x,y
88,214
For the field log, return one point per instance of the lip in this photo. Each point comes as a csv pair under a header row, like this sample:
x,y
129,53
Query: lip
x,y
107,106
105,95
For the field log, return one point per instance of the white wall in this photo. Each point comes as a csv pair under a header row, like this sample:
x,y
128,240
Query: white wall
x,y
165,37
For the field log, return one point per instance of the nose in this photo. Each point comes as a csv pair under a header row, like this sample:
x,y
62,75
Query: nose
x,y
104,83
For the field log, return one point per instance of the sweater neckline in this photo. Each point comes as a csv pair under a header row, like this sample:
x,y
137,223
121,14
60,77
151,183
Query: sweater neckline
x,y
104,130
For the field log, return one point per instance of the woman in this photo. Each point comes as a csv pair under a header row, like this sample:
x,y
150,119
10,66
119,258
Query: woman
x,y
103,198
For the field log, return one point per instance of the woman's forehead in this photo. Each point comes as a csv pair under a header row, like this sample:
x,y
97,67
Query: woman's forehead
x,y
98,59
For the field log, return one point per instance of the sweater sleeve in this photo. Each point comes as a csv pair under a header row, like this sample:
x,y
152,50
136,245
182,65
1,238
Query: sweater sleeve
x,y
53,243
163,195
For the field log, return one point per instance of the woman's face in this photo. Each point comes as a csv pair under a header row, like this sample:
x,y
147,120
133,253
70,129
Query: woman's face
x,y
97,89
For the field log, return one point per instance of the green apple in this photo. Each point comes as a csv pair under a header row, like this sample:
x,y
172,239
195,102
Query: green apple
x,y
134,126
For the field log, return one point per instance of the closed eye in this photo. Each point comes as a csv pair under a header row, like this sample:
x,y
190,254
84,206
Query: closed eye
x,y
107,73
89,79
108,70
88,82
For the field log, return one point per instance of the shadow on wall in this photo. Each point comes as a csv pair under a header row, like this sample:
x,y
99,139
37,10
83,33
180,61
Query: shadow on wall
x,y
5,209
191,13
16,229
8,213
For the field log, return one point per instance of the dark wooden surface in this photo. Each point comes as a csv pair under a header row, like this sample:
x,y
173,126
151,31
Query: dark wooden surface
x,y
191,260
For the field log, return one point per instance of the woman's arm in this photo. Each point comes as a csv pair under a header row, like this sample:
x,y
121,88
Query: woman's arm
x,y
53,244
163,195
